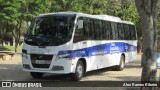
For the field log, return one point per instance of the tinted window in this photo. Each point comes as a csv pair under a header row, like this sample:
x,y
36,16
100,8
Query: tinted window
x,y
86,28
80,33
126,32
96,28
91,29
104,31
100,30
50,30
133,32
114,30
120,31
108,30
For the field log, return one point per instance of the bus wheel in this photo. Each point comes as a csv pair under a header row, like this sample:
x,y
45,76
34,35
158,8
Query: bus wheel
x,y
120,67
36,74
79,72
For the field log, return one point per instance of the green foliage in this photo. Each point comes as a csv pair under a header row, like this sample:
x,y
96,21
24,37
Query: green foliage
x,y
66,5
17,13
125,9
158,19
11,48
32,8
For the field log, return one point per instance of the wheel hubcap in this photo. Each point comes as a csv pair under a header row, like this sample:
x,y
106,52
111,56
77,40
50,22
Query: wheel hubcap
x,y
79,70
122,62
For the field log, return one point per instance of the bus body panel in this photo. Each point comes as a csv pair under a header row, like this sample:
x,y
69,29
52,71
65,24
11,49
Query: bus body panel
x,y
55,61
93,62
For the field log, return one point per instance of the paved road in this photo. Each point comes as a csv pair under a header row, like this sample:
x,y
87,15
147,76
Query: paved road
x,y
12,70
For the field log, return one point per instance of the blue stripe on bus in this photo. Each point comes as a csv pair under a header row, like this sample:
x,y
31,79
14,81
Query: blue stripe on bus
x,y
108,48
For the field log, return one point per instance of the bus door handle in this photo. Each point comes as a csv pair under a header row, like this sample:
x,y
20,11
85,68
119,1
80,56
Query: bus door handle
x,y
84,42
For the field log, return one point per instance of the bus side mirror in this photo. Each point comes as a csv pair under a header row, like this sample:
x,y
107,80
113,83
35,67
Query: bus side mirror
x,y
80,24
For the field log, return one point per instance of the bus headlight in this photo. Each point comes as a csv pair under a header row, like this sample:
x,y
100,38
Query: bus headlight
x,y
58,57
24,53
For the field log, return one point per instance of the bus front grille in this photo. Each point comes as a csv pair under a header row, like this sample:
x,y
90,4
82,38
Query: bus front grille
x,y
41,61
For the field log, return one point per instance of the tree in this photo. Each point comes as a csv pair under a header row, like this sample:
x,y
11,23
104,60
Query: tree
x,y
158,21
31,8
147,10
3,20
10,18
16,19
66,5
14,13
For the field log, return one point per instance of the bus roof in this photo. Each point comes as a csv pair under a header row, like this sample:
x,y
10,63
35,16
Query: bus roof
x,y
101,17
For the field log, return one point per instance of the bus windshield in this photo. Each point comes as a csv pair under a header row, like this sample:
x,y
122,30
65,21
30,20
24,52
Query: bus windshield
x,y
50,30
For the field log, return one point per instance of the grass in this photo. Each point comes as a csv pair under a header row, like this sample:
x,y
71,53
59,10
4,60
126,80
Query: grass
x,y
11,48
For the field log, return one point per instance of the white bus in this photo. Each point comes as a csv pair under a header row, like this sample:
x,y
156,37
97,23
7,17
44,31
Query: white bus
x,y
75,43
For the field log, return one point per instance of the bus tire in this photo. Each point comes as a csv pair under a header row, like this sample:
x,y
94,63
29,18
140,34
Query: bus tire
x,y
36,74
79,72
120,67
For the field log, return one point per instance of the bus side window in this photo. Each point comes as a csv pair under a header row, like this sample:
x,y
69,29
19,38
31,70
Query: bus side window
x,y
114,30
79,34
96,31
100,30
91,29
86,29
120,31
82,33
110,31
126,32
104,35
133,32
107,29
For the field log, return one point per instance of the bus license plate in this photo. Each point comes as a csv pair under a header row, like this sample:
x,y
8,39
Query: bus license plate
x,y
40,61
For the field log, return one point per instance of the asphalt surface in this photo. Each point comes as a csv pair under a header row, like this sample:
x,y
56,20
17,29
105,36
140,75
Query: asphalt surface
x,y
11,70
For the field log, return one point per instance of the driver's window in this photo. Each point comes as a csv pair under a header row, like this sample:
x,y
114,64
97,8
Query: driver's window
x,y
79,32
